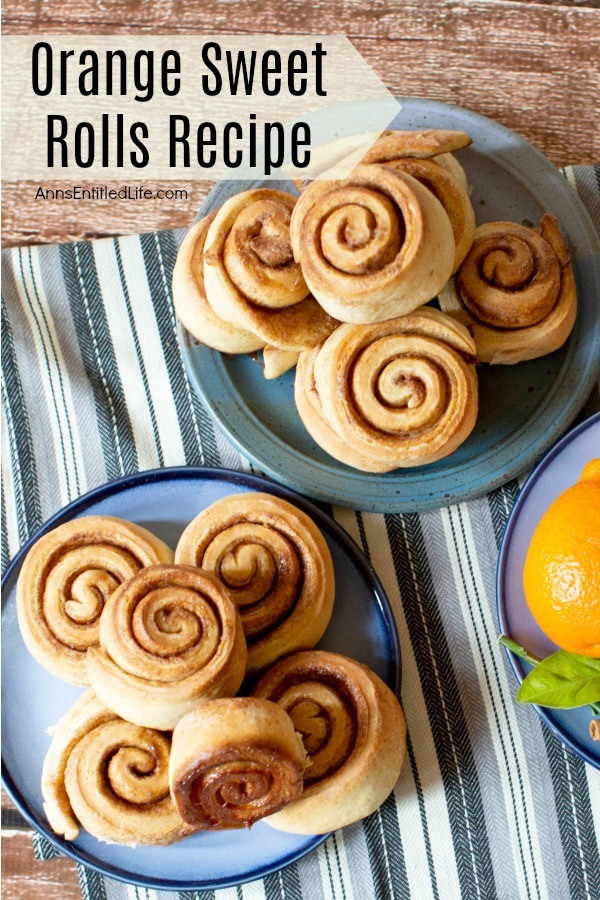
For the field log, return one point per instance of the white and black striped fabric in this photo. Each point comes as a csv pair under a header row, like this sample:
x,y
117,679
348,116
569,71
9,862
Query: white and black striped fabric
x,y
489,804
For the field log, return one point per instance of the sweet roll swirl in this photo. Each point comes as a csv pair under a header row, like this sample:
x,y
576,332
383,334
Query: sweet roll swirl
x,y
354,733
276,566
235,762
170,639
67,578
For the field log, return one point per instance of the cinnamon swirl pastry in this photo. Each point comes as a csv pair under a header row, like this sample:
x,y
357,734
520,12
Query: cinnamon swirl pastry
x,y
354,733
276,567
170,639
234,762
373,246
426,155
397,394
191,305
67,578
515,291
110,776
251,278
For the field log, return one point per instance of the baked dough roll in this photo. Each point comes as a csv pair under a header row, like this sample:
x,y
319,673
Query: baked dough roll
x,y
276,566
170,639
110,776
234,762
251,278
354,733
67,578
515,291
373,246
426,155
398,394
277,361
191,305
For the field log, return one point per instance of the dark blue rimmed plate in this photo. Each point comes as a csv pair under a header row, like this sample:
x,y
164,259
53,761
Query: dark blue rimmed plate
x,y
558,470
523,408
165,501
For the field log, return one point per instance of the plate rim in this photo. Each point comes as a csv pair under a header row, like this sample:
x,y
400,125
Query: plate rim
x,y
390,503
209,473
517,665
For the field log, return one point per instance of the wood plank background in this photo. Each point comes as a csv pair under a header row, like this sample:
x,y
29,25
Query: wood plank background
x,y
534,66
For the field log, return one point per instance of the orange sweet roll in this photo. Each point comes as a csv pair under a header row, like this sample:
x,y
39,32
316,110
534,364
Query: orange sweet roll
x,y
191,305
427,156
109,776
170,639
397,394
515,291
373,246
354,734
251,278
67,578
276,566
235,761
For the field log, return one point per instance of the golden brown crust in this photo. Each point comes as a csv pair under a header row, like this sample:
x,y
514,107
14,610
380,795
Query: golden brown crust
x,y
276,566
354,733
67,578
277,361
235,762
170,639
250,275
397,394
373,246
110,776
393,145
191,305
515,291
426,156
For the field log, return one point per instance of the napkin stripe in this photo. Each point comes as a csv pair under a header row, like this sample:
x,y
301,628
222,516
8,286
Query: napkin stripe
x,y
454,752
81,282
51,369
284,884
567,806
423,817
23,467
574,819
141,363
5,547
354,523
509,757
422,746
197,432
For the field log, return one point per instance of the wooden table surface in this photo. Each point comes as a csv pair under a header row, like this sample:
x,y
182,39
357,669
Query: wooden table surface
x,y
534,66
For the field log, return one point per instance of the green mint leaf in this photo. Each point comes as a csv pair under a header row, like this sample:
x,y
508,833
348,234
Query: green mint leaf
x,y
563,680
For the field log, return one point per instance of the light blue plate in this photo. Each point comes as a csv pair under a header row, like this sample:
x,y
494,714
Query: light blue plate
x,y
523,408
558,470
165,501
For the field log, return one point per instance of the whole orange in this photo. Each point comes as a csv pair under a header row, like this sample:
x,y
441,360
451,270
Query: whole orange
x,y
562,568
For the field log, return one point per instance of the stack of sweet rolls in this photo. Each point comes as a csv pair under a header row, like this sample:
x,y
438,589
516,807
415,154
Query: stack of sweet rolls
x,y
206,705
336,282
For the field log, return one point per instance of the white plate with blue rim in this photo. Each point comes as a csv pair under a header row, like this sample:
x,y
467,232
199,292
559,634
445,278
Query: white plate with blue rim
x,y
558,470
165,501
523,409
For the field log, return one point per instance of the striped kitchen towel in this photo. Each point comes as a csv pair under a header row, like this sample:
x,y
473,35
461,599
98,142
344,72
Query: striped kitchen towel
x,y
489,803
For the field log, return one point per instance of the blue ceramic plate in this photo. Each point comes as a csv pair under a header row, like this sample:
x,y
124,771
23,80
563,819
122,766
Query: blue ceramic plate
x,y
523,408
165,501
558,470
